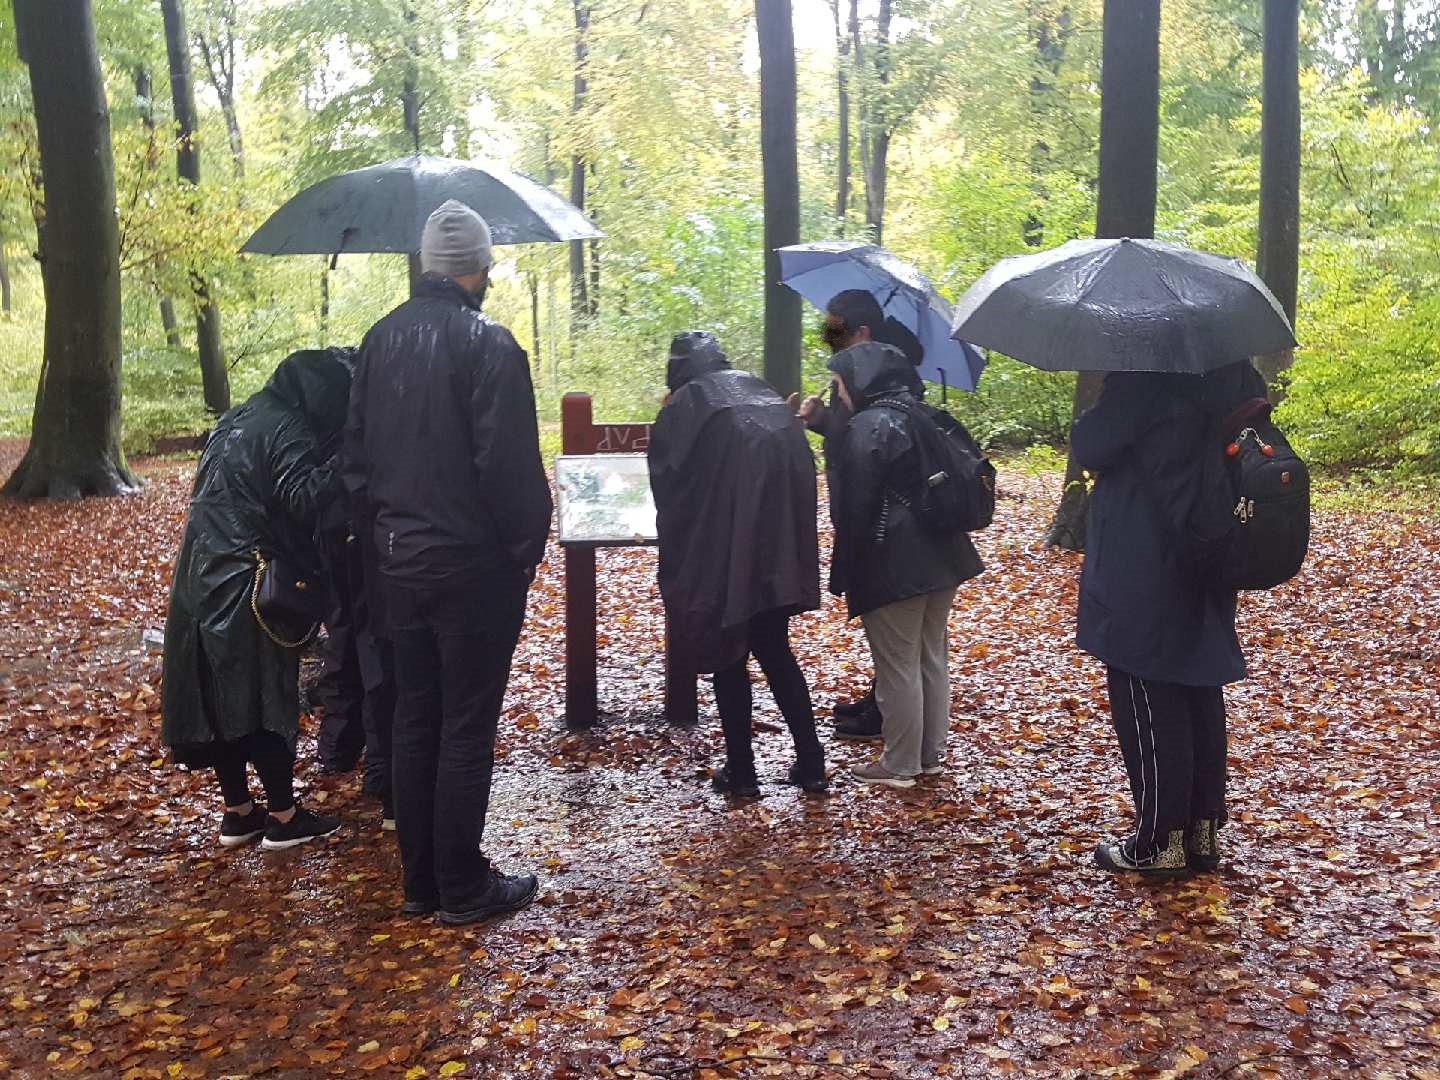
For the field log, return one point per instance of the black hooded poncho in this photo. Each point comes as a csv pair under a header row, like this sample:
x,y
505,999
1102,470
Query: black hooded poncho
x,y
265,477
734,486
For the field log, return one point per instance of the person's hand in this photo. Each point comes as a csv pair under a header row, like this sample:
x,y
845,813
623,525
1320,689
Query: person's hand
x,y
810,410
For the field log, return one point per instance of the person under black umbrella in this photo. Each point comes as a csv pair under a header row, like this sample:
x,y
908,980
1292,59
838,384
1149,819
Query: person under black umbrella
x,y
735,501
443,460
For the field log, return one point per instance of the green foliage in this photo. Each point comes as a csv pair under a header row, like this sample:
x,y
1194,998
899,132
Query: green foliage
x,y
994,109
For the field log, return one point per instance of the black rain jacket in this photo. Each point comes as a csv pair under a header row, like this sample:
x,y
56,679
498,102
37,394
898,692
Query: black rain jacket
x,y
1139,611
266,476
442,451
882,554
734,485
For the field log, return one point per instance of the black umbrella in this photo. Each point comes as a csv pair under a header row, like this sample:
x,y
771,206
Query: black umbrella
x,y
383,208
1123,305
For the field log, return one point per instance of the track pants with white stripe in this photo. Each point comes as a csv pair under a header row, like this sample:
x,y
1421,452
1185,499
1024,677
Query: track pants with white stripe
x,y
1173,741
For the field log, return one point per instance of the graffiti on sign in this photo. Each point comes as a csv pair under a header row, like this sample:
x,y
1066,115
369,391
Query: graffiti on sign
x,y
622,438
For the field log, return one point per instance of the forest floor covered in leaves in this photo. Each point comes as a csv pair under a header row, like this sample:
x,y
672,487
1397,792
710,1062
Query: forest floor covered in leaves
x,y
957,929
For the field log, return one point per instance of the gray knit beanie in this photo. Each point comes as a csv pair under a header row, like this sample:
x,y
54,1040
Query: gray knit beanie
x,y
456,242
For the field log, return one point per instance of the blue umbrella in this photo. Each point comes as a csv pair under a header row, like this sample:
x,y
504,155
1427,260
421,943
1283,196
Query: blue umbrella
x,y
819,272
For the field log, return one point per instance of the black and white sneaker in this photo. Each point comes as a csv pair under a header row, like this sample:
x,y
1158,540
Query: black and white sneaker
x,y
237,829
300,829
1119,857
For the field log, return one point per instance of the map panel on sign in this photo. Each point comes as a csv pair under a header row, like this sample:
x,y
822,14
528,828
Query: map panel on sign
x,y
605,499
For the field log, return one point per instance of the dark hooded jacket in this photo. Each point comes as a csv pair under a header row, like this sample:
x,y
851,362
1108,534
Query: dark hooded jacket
x,y
882,555
734,486
1139,612
442,447
266,476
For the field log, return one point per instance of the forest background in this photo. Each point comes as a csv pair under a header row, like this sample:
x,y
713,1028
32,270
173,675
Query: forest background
x,y
954,131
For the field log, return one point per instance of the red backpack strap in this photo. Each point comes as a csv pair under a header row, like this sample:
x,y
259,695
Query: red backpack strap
x,y
1246,414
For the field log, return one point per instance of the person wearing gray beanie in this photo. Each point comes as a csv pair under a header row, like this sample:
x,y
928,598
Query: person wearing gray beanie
x,y
442,455
456,244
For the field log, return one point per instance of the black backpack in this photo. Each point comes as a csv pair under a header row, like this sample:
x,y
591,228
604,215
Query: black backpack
x,y
955,490
1249,527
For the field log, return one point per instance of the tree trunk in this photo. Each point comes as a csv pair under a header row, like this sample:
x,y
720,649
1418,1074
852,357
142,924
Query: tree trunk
x,y
882,127
145,95
219,57
6,304
780,161
1277,258
842,81
1129,151
170,324
536,354
594,294
325,303
214,374
410,89
75,437
1051,37
579,274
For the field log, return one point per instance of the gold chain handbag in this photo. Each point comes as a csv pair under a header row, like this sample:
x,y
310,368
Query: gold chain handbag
x,y
271,593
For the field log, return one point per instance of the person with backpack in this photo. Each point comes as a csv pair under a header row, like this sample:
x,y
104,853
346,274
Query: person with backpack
x,y
1165,631
853,317
897,565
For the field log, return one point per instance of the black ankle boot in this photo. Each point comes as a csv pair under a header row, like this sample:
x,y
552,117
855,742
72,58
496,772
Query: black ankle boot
x,y
1202,844
1119,856
736,787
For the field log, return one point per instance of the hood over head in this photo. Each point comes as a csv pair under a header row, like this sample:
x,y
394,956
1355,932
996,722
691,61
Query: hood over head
x,y
871,370
316,383
692,354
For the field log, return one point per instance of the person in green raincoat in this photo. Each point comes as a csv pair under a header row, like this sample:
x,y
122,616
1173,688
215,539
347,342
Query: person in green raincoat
x,y
231,694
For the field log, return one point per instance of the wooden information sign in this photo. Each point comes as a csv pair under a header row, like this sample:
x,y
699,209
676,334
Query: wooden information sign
x,y
579,435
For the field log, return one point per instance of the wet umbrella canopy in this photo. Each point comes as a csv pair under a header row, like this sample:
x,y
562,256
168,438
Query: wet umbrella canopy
x,y
383,208
818,272
1123,305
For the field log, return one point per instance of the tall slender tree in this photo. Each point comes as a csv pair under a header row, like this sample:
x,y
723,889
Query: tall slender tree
x,y
780,162
581,304
214,373
217,39
842,87
1277,256
1129,153
145,97
75,436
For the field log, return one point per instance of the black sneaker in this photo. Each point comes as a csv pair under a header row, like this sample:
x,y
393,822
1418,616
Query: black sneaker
x,y
420,907
722,781
808,781
860,705
237,829
1118,856
1202,845
863,728
300,829
504,893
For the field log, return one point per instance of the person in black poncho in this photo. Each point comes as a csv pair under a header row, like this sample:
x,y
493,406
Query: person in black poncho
x,y
734,486
231,692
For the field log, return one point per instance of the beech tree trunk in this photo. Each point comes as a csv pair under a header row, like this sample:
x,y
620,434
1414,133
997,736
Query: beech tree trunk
x,y
1129,152
780,162
6,304
580,304
75,436
882,128
842,80
1277,257
219,57
145,96
214,373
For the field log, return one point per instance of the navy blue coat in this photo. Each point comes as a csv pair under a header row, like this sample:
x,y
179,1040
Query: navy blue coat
x,y
1139,612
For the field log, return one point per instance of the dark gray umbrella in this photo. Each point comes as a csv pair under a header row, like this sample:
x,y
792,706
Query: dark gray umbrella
x,y
1122,305
384,207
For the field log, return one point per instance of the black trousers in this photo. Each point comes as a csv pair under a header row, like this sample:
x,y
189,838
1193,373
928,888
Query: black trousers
x,y
1173,741
769,643
453,647
377,669
341,689
274,765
